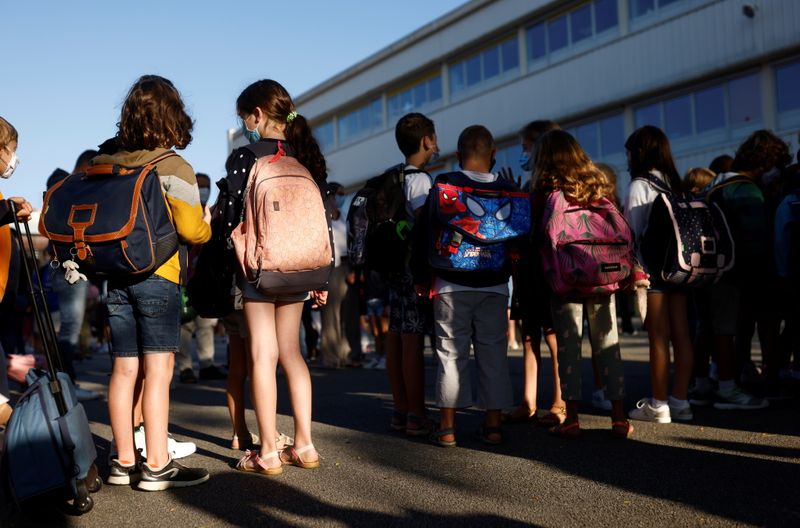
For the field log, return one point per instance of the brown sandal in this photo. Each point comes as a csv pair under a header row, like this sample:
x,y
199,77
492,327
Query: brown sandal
x,y
252,463
291,457
572,430
553,418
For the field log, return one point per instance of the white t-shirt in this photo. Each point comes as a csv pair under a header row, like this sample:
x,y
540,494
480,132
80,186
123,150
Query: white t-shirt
x,y
641,195
339,228
417,185
442,286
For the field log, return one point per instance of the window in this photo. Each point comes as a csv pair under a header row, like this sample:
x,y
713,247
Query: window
x,y
725,110
787,79
535,39
678,117
745,99
508,156
361,122
324,135
601,138
640,8
570,29
424,94
491,63
709,107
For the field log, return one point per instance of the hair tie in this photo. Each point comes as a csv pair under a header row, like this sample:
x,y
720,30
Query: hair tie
x,y
291,116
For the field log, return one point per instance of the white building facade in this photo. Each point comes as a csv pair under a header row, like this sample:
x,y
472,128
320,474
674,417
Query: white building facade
x,y
708,72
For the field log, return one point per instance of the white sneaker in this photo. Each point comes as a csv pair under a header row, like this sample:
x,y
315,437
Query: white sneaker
x,y
175,448
86,395
682,414
645,412
599,400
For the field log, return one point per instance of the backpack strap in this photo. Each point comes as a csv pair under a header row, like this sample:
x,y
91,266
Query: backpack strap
x,y
659,185
735,180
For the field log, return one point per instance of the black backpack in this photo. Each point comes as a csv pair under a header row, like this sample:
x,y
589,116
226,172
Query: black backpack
x,y
377,228
687,241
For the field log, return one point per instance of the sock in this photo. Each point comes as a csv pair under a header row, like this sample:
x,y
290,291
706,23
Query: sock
x,y
657,404
125,463
726,385
702,384
680,404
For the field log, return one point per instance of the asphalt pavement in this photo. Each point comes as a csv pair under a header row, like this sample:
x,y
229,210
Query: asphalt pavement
x,y
726,468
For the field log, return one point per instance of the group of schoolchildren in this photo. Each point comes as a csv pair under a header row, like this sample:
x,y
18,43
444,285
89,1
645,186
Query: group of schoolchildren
x,y
563,238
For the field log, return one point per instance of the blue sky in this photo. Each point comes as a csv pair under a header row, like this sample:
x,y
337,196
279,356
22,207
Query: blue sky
x,y
67,65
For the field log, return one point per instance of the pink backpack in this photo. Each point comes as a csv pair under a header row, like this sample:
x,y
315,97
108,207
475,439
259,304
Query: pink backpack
x,y
588,250
284,244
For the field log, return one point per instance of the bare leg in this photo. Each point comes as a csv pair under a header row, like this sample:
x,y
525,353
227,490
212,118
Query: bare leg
x,y
237,378
681,344
659,335
394,367
552,345
138,393
414,372
158,374
120,406
264,352
447,420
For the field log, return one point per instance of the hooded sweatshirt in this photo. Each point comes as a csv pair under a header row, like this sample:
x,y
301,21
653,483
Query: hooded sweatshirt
x,y
183,198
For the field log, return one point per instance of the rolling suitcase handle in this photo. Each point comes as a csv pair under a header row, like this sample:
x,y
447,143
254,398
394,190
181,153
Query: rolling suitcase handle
x,y
41,311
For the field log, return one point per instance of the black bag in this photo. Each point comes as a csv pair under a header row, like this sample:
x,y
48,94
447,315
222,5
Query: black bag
x,y
687,241
49,448
377,227
113,221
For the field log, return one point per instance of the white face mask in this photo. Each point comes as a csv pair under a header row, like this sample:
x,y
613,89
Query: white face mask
x,y
12,165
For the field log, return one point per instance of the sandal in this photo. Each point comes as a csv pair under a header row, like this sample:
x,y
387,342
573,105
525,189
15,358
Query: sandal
x,y
435,437
236,445
484,433
291,457
553,418
572,430
423,425
514,418
252,463
398,422
622,429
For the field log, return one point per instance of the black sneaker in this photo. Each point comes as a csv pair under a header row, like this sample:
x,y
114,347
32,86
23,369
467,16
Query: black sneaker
x,y
212,373
119,475
173,475
187,376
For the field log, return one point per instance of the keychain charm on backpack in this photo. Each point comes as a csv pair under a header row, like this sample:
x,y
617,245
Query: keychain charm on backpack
x,y
72,275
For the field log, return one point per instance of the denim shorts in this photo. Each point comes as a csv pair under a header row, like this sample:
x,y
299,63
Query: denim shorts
x,y
376,307
144,317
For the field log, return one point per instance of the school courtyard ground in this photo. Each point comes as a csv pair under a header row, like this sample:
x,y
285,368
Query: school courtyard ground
x,y
723,469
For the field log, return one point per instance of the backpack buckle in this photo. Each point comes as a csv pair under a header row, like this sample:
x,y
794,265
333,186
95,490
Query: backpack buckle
x,y
455,243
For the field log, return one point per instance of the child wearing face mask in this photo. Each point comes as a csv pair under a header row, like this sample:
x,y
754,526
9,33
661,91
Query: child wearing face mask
x,y
8,163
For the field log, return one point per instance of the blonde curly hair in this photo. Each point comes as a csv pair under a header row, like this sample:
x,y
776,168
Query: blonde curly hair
x,y
562,165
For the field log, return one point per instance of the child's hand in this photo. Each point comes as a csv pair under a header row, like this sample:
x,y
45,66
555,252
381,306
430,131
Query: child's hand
x,y
320,297
23,208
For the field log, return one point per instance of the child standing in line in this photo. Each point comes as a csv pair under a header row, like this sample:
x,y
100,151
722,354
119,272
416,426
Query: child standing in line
x,y
561,165
470,308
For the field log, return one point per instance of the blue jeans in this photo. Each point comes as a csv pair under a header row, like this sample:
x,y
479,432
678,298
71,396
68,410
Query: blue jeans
x,y
145,317
72,307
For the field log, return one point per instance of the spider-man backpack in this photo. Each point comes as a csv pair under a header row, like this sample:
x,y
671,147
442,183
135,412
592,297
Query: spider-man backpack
x,y
472,222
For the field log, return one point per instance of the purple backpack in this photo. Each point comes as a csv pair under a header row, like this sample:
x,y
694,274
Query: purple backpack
x,y
588,249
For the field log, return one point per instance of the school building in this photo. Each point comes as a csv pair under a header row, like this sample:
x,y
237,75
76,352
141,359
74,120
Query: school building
x,y
708,72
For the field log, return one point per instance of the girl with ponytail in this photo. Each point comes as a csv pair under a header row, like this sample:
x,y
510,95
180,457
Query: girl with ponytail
x,y
271,124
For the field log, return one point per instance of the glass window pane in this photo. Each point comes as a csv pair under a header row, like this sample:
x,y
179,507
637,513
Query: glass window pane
x,y
678,117
537,47
406,102
435,89
788,80
457,77
745,100
491,63
587,137
324,135
648,115
662,3
580,22
473,67
709,109
557,33
641,7
376,115
612,135
510,54
393,104
605,15
420,94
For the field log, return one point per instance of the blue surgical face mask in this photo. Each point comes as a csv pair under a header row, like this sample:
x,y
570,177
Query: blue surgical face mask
x,y
525,161
205,194
252,136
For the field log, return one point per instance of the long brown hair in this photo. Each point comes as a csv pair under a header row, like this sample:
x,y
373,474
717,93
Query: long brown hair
x,y
273,99
562,165
648,148
153,116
